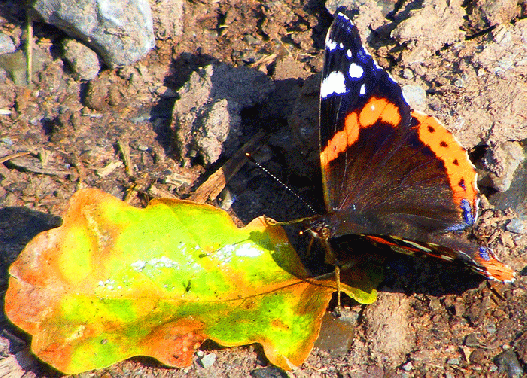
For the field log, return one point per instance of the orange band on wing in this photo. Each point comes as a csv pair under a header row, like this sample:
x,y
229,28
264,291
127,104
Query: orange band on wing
x,y
496,270
460,171
341,140
375,110
380,240
379,109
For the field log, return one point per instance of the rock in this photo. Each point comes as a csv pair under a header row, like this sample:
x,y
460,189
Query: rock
x,y
269,372
83,60
15,66
419,31
206,120
96,96
221,120
515,198
508,362
335,336
471,341
207,360
389,332
369,15
502,161
120,31
168,18
495,12
6,44
415,95
518,225
407,366
477,356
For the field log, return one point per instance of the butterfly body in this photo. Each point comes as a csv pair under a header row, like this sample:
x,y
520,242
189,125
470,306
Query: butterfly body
x,y
391,175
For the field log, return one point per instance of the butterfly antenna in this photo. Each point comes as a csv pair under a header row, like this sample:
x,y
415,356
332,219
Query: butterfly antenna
x,y
295,194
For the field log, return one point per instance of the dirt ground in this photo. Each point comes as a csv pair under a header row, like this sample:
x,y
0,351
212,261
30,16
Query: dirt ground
x,y
117,132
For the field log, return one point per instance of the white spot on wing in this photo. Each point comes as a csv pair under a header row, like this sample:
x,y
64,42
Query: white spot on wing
x,y
333,84
362,90
331,45
344,16
355,71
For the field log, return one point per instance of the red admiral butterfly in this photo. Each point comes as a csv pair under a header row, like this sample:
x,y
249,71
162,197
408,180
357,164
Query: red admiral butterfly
x,y
391,175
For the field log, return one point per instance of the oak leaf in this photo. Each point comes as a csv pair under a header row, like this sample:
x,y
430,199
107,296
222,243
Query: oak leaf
x,y
116,281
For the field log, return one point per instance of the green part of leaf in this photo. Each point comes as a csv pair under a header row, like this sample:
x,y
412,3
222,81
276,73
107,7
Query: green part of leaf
x,y
361,282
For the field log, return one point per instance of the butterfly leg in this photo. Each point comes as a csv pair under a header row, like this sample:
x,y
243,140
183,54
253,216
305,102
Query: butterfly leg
x,y
332,259
337,278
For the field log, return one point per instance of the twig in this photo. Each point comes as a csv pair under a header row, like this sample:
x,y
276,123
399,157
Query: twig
x,y
29,46
217,181
13,156
124,147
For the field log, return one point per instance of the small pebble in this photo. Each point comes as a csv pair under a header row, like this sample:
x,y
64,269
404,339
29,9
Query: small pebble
x,y
518,225
6,44
227,198
208,360
7,141
83,60
415,96
490,328
472,341
508,362
408,74
269,372
460,83
477,356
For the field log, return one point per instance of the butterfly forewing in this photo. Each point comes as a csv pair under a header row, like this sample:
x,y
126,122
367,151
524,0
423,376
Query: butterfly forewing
x,y
374,155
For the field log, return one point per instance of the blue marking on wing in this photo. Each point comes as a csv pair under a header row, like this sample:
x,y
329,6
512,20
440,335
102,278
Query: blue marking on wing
x,y
484,254
467,212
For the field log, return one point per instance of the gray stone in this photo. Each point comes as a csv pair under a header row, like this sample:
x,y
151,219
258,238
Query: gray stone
x,y
514,198
518,225
83,60
15,66
207,360
415,95
507,362
120,31
6,44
